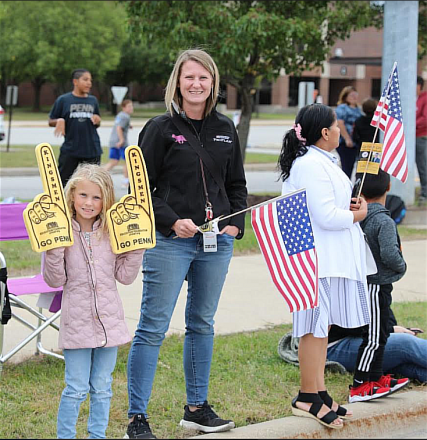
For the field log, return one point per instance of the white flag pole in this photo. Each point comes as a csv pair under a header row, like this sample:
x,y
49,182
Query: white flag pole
x,y
258,205
220,218
377,127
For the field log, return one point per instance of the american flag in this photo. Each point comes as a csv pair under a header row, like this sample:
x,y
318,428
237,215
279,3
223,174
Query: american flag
x,y
388,117
283,230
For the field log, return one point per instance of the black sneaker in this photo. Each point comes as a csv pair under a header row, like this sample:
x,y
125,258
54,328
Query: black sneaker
x,y
139,428
204,419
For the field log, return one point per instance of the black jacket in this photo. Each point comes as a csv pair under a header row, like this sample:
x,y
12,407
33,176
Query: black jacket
x,y
363,131
175,174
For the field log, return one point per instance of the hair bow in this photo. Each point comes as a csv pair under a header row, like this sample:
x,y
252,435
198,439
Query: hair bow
x,y
298,128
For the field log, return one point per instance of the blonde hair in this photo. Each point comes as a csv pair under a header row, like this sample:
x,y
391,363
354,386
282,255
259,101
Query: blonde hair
x,y
172,91
99,176
344,93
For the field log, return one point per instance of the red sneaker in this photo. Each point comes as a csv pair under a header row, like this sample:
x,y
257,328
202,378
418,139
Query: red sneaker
x,y
367,391
394,384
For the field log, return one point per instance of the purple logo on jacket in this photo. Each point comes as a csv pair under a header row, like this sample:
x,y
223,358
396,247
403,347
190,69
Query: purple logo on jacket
x,y
180,138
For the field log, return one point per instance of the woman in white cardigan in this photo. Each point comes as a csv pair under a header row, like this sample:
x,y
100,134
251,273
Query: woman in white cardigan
x,y
306,162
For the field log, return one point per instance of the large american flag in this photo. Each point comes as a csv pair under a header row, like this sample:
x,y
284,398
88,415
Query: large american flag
x,y
388,117
283,230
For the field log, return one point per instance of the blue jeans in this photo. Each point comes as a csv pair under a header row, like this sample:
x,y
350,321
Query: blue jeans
x,y
164,270
421,161
404,354
87,370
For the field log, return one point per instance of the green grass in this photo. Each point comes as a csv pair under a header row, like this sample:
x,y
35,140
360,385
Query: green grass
x,y
253,158
27,114
274,116
407,233
249,383
23,156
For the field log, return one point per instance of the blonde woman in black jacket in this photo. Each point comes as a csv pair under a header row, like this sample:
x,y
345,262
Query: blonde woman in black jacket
x,y
196,173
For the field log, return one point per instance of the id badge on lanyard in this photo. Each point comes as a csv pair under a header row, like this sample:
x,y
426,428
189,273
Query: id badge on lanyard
x,y
209,236
209,242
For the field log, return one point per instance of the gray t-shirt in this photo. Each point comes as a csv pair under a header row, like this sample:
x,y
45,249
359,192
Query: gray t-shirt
x,y
122,120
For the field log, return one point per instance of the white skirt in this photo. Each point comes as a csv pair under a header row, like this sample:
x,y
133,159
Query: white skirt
x,y
342,302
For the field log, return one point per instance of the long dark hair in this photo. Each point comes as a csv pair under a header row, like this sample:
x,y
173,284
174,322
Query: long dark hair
x,y
310,121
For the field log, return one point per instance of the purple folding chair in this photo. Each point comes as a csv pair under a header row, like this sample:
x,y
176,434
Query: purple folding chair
x,y
12,227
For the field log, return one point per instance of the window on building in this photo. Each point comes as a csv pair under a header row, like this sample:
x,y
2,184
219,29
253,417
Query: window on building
x,y
376,88
265,92
294,84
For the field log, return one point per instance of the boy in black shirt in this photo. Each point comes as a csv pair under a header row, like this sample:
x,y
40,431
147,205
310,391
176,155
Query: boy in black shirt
x,y
75,115
363,130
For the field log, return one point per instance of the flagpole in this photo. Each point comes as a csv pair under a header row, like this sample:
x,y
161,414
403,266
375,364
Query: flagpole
x,y
220,218
258,205
376,129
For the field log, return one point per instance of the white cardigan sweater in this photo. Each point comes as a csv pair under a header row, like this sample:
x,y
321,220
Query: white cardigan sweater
x,y
339,242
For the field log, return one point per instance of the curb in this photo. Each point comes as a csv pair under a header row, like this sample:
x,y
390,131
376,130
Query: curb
x,y
385,415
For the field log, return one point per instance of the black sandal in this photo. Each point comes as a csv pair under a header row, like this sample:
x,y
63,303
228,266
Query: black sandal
x,y
328,401
317,403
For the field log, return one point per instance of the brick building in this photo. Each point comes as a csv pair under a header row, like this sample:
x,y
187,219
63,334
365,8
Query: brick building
x,y
355,61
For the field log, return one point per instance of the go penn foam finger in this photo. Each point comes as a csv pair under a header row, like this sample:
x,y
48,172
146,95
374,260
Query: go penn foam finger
x,y
47,219
131,220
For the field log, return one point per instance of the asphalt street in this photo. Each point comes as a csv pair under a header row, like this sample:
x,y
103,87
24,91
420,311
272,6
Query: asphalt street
x,y
259,136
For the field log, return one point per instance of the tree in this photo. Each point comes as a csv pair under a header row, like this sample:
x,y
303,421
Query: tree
x,y
422,29
46,40
142,63
250,40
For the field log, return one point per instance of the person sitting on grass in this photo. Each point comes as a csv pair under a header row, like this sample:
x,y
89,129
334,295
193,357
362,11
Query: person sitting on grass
x,y
404,354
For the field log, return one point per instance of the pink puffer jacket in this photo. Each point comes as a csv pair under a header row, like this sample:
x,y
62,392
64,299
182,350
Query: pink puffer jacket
x,y
92,312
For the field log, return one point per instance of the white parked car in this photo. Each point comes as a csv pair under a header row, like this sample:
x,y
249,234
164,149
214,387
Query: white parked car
x,y
1,123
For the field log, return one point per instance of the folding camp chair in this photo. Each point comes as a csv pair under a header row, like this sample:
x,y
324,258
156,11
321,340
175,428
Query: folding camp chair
x,y
12,227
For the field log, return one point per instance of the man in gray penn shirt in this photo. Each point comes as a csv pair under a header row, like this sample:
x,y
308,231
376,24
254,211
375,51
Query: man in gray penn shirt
x,y
383,239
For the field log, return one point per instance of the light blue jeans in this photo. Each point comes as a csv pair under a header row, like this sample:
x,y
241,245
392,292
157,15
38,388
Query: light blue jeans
x,y
164,270
87,370
404,354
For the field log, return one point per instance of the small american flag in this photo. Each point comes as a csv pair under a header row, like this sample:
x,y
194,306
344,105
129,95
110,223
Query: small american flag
x,y
283,230
388,117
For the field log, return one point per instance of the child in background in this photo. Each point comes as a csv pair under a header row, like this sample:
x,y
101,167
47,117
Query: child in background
x,y
119,139
369,381
92,320
363,130
75,115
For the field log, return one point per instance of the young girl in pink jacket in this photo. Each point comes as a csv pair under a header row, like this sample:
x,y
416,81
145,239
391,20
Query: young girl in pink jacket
x,y
92,318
